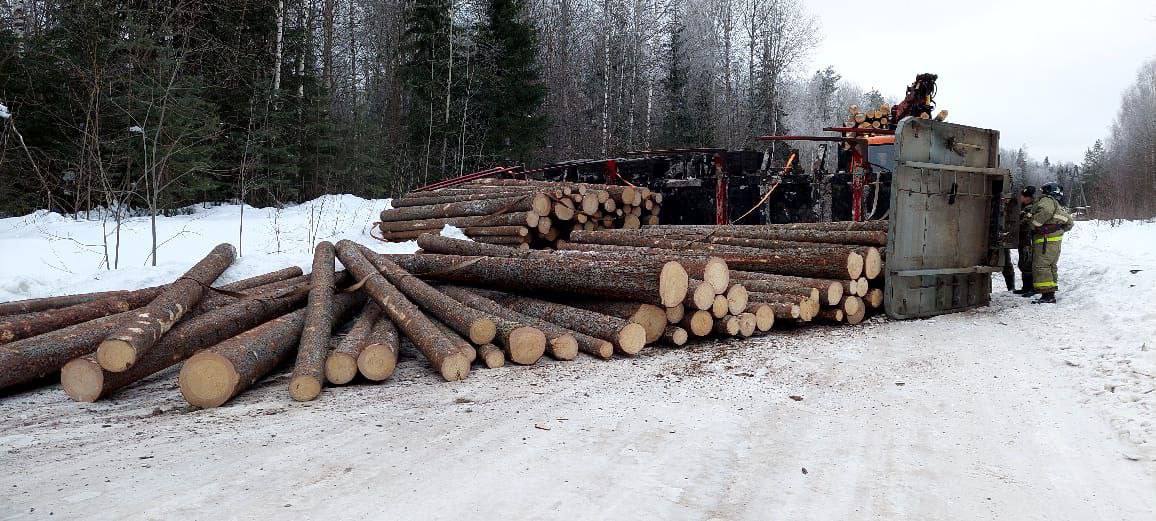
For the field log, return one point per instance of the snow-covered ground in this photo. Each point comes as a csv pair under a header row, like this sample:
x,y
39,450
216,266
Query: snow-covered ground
x,y
1012,411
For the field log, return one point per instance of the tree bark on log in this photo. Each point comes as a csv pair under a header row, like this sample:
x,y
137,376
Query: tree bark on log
x,y
830,315
783,310
309,369
847,226
215,375
564,343
861,238
448,359
478,327
652,318
433,199
32,324
675,336
628,338
525,203
491,356
85,381
699,323
146,326
663,283
395,229
497,231
767,286
35,305
341,364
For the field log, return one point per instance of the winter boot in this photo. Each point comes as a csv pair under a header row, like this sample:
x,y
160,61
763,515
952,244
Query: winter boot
x,y
1027,290
1046,298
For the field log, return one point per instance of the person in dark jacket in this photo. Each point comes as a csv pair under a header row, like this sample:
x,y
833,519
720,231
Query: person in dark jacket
x,y
1026,198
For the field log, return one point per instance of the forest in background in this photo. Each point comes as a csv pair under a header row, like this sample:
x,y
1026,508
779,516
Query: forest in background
x,y
140,104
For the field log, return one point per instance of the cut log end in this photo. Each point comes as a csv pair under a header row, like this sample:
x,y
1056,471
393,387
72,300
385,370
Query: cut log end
x,y
653,319
853,306
115,355
82,379
702,297
377,362
872,263
526,345
564,347
699,323
673,283
674,314
764,317
874,298
834,293
720,307
747,324
854,265
737,299
207,380
482,331
304,388
675,336
631,338
455,367
717,273
340,368
728,326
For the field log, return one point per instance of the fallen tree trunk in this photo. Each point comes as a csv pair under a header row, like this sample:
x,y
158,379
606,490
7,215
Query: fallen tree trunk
x,y
627,337
443,355
662,283
564,343
85,381
35,305
215,375
126,344
309,369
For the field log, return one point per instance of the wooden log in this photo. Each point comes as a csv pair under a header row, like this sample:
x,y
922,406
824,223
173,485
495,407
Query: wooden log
x,y
663,283
674,314
830,315
628,338
699,323
830,290
215,375
874,298
747,324
854,314
505,240
433,200
341,364
675,336
702,266
766,286
737,299
862,286
500,231
834,264
522,203
860,238
764,316
309,369
35,305
564,344
28,325
136,335
397,230
462,344
847,226
450,361
783,310
478,327
652,318
728,325
378,359
491,356
700,295
85,381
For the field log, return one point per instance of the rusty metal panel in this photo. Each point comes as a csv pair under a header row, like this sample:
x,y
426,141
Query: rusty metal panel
x,y
945,213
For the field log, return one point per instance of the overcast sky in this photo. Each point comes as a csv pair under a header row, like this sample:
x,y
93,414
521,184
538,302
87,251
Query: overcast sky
x,y
1046,73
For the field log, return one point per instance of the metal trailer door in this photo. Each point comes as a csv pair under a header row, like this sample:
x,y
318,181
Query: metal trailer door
x,y
946,214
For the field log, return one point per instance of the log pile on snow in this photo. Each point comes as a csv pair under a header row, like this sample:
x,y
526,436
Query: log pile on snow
x,y
520,213
461,304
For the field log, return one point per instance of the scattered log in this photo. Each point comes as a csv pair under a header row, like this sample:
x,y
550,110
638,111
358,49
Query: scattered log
x,y
662,283
341,364
378,358
652,318
448,359
35,305
23,326
564,343
136,335
628,338
215,375
478,327
85,381
491,356
309,369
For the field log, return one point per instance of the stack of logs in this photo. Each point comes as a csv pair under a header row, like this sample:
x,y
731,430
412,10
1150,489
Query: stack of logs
x,y
520,213
458,303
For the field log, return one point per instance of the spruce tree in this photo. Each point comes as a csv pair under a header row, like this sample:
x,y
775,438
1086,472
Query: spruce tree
x,y
510,92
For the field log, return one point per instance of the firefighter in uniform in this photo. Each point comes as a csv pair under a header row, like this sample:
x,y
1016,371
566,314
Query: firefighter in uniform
x,y
1027,197
1048,220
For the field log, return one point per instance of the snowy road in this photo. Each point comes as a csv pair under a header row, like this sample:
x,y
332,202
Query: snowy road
x,y
1008,412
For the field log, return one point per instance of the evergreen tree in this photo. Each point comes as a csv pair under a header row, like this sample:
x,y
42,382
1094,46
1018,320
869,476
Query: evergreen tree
x,y
510,93
679,125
